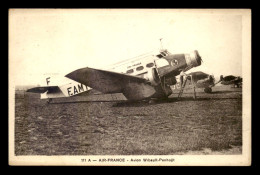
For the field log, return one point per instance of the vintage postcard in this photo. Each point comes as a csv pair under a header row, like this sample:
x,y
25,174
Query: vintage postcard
x,y
135,87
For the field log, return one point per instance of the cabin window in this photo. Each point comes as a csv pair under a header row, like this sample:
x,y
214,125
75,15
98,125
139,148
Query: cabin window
x,y
149,65
129,71
139,68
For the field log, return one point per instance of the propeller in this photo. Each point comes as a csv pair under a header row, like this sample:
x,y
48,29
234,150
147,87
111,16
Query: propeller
x,y
220,80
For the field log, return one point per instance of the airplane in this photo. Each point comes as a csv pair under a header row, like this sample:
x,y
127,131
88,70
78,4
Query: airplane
x,y
231,80
198,80
203,80
143,77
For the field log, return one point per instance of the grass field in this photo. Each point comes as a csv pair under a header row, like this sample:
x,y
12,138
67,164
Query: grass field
x,y
210,125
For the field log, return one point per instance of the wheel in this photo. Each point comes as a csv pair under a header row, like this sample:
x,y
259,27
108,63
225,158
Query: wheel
x,y
49,100
152,101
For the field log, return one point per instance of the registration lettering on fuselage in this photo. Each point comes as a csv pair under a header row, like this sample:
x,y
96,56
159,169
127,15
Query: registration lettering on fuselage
x,y
76,89
134,65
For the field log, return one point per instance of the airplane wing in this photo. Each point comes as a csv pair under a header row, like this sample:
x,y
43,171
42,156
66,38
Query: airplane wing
x,y
43,89
103,80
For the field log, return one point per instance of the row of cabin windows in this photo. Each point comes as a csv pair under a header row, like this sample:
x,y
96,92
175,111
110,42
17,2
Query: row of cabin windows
x,y
139,68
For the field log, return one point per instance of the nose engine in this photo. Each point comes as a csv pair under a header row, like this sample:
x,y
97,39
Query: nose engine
x,y
193,59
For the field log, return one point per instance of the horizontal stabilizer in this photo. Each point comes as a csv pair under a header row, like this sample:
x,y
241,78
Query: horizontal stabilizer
x,y
43,89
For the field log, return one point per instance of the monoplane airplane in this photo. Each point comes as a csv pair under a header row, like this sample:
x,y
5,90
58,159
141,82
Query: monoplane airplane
x,y
202,80
231,80
198,80
143,77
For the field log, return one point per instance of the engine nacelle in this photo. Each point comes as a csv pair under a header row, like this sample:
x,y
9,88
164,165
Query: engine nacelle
x,y
153,77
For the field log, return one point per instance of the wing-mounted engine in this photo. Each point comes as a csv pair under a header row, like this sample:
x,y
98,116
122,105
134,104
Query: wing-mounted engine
x,y
153,77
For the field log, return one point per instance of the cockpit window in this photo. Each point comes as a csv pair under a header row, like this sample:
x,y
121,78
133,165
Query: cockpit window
x,y
139,68
149,65
163,54
159,56
129,71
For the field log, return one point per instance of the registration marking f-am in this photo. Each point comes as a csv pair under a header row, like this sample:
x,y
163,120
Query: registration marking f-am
x,y
76,89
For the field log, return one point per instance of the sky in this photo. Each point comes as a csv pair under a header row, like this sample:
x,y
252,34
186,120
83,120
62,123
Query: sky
x,y
46,42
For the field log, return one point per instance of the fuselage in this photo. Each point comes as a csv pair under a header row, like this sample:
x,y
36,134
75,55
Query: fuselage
x,y
137,66
167,64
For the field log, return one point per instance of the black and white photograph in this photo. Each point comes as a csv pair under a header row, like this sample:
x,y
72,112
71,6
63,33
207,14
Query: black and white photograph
x,y
130,87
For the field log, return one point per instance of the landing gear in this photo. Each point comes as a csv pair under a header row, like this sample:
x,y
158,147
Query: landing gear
x,y
194,92
49,100
194,88
152,101
182,84
208,90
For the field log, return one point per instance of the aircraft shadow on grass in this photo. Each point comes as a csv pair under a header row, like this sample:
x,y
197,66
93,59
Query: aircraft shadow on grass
x,y
127,103
74,102
172,100
222,92
142,103
213,92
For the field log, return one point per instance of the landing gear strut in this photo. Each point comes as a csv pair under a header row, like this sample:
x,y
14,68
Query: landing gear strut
x,y
194,89
49,100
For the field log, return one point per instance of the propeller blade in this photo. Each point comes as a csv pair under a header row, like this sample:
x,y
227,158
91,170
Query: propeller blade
x,y
217,82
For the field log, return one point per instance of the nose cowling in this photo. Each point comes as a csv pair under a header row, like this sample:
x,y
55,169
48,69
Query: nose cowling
x,y
193,59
